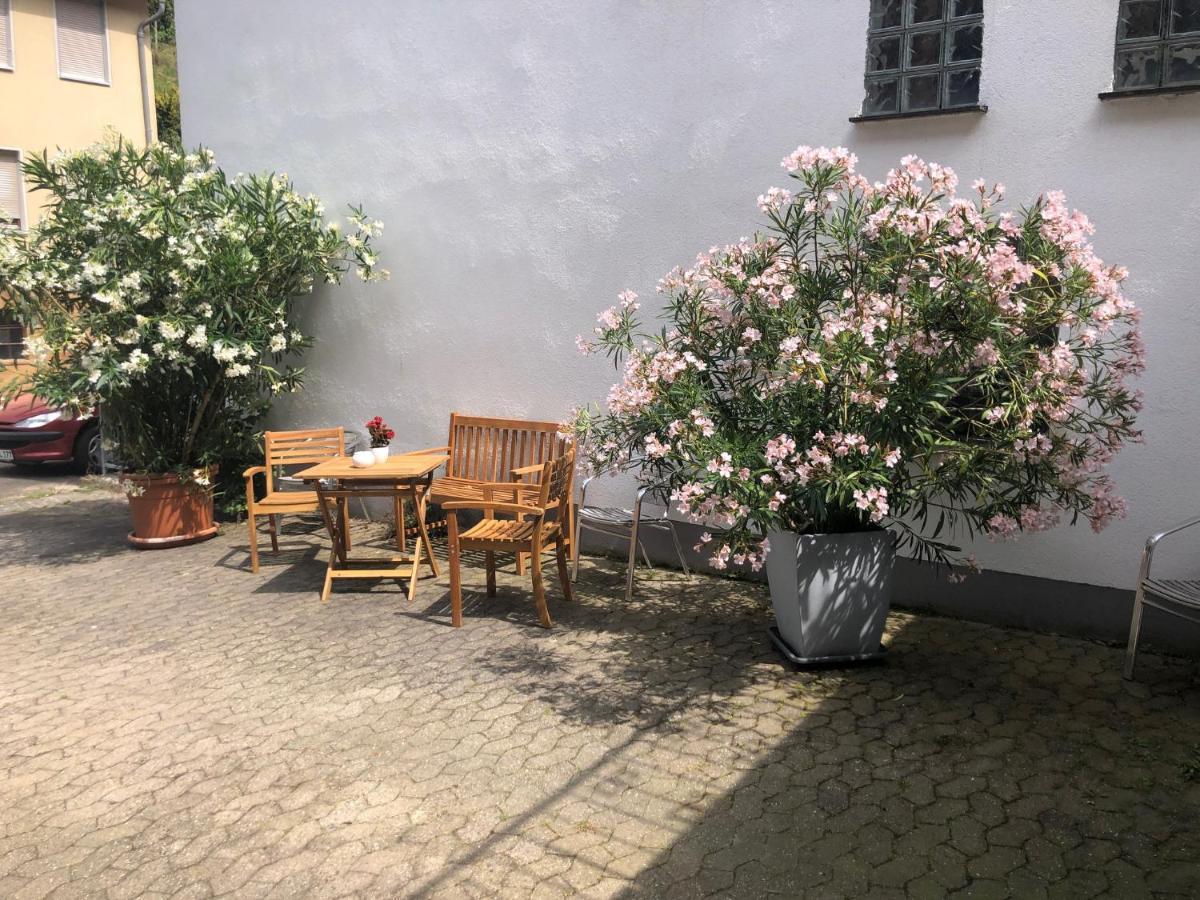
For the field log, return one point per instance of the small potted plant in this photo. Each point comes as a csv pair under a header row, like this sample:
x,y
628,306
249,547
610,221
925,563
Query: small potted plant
x,y
162,291
889,361
381,437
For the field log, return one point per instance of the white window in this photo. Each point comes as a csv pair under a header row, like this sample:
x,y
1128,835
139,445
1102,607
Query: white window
x,y
12,190
82,40
6,45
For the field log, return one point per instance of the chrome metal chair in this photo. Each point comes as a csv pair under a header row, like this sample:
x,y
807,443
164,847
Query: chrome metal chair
x,y
1177,597
627,524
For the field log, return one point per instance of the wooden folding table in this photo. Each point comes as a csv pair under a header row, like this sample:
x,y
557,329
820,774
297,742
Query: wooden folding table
x,y
398,478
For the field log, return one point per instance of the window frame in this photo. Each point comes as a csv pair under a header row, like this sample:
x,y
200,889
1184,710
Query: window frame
x,y
9,325
23,213
79,79
945,25
11,66
1162,43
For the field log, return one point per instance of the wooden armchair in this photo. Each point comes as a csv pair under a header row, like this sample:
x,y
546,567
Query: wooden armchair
x,y
533,527
487,450
283,450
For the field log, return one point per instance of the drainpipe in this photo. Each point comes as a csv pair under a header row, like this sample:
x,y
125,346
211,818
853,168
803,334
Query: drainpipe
x,y
147,100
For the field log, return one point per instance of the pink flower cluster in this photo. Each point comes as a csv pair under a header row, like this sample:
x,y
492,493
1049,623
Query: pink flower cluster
x,y
1005,335
801,466
873,501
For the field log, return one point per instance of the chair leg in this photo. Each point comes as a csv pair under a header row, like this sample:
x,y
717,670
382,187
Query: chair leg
x,y
539,589
572,533
1135,630
645,555
253,543
455,572
678,546
633,548
564,575
575,549
520,563
274,535
490,557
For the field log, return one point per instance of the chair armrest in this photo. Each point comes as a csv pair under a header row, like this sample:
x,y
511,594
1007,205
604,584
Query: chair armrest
x,y
1153,540
527,470
254,470
1152,543
516,509
426,451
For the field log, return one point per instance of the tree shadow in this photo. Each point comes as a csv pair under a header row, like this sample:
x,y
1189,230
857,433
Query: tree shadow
x,y
611,662
977,759
83,530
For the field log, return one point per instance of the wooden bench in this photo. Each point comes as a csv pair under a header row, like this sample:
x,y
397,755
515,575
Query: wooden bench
x,y
486,450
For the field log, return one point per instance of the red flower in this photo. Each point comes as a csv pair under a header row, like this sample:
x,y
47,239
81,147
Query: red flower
x,y
379,431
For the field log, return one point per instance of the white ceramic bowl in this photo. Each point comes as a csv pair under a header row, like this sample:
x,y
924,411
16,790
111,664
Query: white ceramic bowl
x,y
363,458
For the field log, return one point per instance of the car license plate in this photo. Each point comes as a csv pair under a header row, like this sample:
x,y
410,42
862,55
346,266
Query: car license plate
x,y
6,456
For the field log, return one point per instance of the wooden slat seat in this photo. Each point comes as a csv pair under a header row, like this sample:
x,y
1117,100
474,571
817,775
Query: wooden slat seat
x,y
507,531
300,499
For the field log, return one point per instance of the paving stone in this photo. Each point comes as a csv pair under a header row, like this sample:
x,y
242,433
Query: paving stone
x,y
171,724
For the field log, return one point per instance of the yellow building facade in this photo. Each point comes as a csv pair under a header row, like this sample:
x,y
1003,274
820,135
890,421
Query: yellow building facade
x,y
69,72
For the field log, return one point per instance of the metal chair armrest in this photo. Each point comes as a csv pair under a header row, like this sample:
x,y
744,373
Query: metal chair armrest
x,y
1153,541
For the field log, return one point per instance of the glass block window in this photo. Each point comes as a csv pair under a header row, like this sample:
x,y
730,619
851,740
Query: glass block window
x,y
923,55
1158,44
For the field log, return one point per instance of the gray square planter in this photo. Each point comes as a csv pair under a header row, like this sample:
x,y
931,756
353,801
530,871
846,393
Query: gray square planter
x,y
831,594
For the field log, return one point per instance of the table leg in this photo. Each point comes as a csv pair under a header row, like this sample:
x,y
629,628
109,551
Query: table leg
x,y
331,525
419,504
344,518
416,568
400,539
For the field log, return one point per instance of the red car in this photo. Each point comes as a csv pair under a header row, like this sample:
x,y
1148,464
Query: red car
x,y
32,432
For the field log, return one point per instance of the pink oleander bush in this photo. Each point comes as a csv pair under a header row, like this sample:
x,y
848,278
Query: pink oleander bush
x,y
884,355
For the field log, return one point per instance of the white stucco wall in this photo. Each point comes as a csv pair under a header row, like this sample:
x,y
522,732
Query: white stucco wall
x,y
533,158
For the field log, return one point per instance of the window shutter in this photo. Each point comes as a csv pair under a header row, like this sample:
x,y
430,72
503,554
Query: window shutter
x,y
82,43
6,47
12,188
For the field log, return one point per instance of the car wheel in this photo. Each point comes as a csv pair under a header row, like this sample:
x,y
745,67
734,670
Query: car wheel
x,y
88,451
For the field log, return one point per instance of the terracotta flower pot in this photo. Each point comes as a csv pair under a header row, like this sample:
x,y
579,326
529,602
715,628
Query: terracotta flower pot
x,y
167,512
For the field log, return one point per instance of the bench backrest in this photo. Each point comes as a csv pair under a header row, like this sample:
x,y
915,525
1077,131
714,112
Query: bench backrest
x,y
483,448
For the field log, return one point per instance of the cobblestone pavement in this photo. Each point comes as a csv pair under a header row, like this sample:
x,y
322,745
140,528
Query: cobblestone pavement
x,y
173,725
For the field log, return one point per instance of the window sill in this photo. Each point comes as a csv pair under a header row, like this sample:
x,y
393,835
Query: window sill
x,y
1150,92
80,79
921,114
